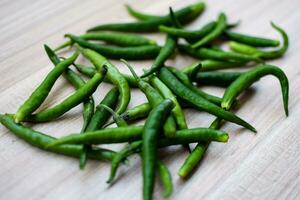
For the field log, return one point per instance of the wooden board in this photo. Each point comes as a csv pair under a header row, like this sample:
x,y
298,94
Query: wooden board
x,y
262,166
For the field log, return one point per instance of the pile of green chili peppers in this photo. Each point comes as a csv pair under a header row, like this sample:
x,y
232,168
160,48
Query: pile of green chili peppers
x,y
168,90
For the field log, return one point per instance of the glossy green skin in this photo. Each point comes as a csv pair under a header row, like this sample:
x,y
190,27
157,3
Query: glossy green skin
x,y
134,133
251,40
41,141
253,75
79,96
165,178
101,115
114,52
206,53
151,132
154,98
221,79
119,39
250,50
137,112
128,150
166,51
112,75
90,71
215,33
193,135
41,92
88,105
197,154
186,15
186,81
187,34
211,65
179,14
202,104
177,111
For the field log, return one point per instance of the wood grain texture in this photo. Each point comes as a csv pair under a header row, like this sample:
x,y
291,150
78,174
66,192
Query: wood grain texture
x,y
262,166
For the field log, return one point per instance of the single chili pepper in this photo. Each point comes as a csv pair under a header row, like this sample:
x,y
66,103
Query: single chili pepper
x,y
90,71
101,115
88,104
128,150
167,50
202,104
137,112
120,39
113,75
206,53
134,133
180,14
152,128
221,79
114,52
117,118
167,94
41,141
165,178
188,14
187,34
197,154
154,98
248,78
249,50
252,40
184,79
41,92
70,102
77,82
211,65
215,33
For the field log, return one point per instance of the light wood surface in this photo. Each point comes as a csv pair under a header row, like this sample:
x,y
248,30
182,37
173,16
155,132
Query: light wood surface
x,y
262,166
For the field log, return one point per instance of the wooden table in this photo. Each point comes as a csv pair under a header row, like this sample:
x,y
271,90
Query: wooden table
x,y
262,166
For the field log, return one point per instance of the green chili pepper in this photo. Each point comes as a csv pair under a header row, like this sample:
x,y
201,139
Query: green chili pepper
x,y
211,65
186,15
41,141
206,53
41,92
120,39
88,105
137,112
167,94
183,14
79,96
222,79
248,78
197,154
252,40
154,99
188,95
186,81
165,178
186,34
217,31
113,75
133,133
167,50
133,53
249,50
150,135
